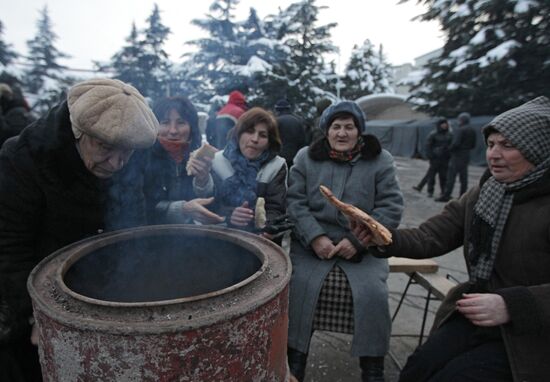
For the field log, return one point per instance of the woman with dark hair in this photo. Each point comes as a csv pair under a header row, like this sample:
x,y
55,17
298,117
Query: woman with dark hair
x,y
172,195
334,287
248,168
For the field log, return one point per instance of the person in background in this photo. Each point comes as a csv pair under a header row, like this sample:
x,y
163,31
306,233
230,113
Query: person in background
x,y
227,118
464,140
67,176
495,326
291,131
437,151
248,168
334,286
313,132
15,113
171,193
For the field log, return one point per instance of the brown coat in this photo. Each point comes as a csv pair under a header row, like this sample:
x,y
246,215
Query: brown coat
x,y
521,274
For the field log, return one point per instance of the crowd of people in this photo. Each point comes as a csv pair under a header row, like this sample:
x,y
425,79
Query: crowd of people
x,y
103,160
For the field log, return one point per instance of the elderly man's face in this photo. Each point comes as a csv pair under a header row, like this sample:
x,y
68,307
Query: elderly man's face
x,y
506,163
100,158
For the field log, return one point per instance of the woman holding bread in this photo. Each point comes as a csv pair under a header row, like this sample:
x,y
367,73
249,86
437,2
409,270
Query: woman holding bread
x,y
334,287
176,181
248,168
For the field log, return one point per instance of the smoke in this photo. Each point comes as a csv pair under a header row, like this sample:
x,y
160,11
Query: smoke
x,y
160,268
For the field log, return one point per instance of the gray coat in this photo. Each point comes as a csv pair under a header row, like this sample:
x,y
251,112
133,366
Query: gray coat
x,y
367,183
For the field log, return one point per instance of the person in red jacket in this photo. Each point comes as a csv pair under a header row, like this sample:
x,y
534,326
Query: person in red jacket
x,y
227,118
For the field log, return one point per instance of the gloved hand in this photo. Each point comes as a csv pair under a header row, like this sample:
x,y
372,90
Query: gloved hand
x,y
278,225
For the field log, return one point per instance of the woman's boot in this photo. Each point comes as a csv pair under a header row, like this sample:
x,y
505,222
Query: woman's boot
x,y
372,369
297,362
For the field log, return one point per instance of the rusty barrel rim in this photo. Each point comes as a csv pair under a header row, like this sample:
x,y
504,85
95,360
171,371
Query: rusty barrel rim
x,y
76,253
57,300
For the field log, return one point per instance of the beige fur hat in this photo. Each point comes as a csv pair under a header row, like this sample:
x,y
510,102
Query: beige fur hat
x,y
113,112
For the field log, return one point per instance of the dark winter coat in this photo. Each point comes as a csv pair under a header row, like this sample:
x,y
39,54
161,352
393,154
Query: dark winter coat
x,y
271,186
368,182
438,144
521,273
13,120
165,182
48,199
293,136
464,139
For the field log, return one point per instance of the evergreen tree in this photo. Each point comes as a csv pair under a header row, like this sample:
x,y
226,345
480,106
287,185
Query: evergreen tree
x,y
367,72
495,56
125,63
303,75
153,60
7,55
45,79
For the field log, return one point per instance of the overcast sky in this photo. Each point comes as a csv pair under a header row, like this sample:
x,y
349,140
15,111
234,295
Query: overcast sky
x,y
96,29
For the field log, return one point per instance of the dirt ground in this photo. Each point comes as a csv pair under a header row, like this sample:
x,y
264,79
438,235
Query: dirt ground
x,y
329,359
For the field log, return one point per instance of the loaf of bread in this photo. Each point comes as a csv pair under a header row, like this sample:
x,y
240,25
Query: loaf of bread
x,y
381,235
260,216
205,150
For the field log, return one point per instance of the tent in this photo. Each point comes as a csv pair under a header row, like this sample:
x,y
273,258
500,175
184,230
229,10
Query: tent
x,y
407,138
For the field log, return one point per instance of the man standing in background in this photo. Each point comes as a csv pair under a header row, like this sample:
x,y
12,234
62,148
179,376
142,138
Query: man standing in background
x,y
291,131
464,140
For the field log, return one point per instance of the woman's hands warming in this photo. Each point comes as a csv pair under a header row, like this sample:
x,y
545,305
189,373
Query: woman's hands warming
x,y
242,215
325,249
484,309
195,209
200,169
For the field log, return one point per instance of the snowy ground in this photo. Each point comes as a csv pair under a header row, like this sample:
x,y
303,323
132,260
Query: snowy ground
x,y
329,359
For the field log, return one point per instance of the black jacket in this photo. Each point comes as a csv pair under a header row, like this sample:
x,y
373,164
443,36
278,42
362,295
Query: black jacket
x,y
48,199
438,143
165,182
293,136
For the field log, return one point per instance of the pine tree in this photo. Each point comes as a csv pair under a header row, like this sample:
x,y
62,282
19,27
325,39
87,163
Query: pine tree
x,y
495,56
45,79
125,63
303,72
367,72
218,53
7,55
153,60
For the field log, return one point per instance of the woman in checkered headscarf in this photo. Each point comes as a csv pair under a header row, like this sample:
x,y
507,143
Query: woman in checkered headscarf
x,y
496,326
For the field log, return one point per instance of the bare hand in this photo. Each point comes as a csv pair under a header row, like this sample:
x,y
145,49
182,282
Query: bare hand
x,y
200,169
484,309
361,232
242,215
195,209
34,334
322,246
343,249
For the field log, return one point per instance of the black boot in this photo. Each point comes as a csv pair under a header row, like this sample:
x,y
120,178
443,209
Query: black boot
x,y
372,369
297,362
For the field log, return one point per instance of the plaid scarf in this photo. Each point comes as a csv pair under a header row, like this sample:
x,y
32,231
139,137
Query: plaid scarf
x,y
346,156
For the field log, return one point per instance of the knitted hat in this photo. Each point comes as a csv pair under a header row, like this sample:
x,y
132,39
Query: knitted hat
x,y
527,127
113,112
282,104
336,109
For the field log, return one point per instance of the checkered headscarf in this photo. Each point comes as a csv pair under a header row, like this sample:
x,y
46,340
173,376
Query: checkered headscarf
x,y
527,127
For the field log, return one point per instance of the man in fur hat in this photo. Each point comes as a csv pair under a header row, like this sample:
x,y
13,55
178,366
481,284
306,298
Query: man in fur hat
x,y
496,326
68,176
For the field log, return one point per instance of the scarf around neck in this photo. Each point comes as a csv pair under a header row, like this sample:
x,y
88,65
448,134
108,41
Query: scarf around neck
x,y
241,186
346,156
176,149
